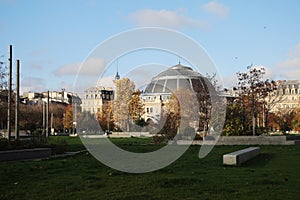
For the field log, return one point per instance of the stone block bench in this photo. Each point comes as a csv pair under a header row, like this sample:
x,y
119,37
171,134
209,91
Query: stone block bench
x,y
238,157
24,154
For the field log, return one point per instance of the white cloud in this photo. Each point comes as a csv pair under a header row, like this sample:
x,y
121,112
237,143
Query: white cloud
x,y
216,8
290,68
268,72
90,67
229,81
33,84
106,81
38,52
165,18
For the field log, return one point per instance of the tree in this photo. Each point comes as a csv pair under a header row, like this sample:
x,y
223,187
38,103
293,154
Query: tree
x,y
253,96
270,98
68,119
57,111
3,76
233,123
87,122
31,117
105,117
3,95
296,120
182,111
124,89
136,106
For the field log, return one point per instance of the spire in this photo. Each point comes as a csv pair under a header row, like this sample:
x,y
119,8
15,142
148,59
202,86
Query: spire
x,y
117,77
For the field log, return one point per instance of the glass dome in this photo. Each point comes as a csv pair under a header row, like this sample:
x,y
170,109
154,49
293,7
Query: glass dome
x,y
178,77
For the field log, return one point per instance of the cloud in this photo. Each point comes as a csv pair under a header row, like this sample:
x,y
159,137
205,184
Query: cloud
x,y
216,8
38,52
35,84
268,72
90,67
106,81
229,81
289,68
232,81
165,18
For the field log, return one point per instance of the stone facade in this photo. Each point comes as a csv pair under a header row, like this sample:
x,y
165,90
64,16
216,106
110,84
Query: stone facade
x,y
289,93
95,97
63,97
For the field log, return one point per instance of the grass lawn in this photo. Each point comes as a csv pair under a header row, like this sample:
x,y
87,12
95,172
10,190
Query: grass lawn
x,y
274,174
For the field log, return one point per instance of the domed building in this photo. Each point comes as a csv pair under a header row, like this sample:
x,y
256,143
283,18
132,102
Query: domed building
x,y
161,87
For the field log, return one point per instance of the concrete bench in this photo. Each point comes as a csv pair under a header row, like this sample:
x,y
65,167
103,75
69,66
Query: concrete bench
x,y
241,156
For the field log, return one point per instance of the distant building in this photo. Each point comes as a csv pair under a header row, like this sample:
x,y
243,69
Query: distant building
x,y
289,93
62,97
95,97
161,87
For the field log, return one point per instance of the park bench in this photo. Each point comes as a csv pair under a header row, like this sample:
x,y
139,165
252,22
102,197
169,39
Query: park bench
x,y
241,156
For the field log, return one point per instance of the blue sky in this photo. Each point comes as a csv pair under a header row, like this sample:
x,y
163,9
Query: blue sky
x,y
52,38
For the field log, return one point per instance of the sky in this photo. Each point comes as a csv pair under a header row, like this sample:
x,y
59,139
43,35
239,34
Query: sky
x,y
52,38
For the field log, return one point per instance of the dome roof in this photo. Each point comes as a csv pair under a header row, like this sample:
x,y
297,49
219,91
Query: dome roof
x,y
176,77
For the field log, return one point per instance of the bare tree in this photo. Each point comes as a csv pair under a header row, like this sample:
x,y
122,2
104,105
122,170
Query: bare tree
x,y
3,76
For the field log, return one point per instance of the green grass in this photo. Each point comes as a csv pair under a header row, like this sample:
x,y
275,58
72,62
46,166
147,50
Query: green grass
x,y
274,174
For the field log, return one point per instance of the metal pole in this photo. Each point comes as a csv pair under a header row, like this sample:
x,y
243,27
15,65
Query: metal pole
x,y
9,92
17,136
51,122
43,119
47,115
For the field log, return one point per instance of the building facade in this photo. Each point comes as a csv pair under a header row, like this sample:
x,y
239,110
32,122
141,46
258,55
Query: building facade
x,y
289,95
62,97
95,97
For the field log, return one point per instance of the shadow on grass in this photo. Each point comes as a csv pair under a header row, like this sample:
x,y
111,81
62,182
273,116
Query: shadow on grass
x,y
259,161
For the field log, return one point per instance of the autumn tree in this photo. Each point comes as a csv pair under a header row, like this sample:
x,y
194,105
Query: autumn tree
x,y
56,112
233,123
181,111
124,89
87,122
3,109
255,96
136,108
68,119
296,120
3,95
31,117
105,117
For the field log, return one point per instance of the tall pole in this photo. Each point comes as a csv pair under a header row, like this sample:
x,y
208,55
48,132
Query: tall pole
x,y
47,115
9,92
17,136
51,122
44,124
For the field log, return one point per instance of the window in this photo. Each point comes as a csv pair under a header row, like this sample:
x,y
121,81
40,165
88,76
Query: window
x,y
149,109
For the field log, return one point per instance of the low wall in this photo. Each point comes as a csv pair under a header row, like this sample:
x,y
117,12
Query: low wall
x,y
24,154
244,140
254,140
129,134
120,135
